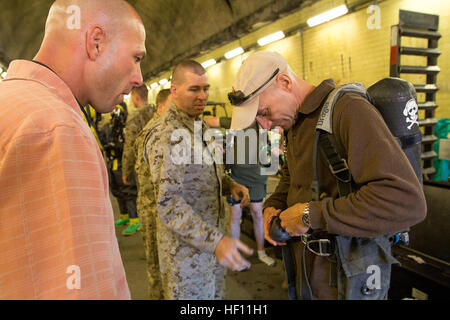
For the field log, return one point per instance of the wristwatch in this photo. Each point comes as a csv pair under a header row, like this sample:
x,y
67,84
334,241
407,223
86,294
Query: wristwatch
x,y
305,217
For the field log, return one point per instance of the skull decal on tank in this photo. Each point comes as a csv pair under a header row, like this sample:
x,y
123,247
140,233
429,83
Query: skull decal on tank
x,y
410,112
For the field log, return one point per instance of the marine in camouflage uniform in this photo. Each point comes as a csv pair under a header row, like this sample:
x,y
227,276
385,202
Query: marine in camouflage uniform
x,y
144,200
136,121
190,218
145,204
134,125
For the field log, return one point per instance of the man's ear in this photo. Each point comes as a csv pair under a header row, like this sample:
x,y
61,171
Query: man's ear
x,y
95,41
284,82
173,90
137,99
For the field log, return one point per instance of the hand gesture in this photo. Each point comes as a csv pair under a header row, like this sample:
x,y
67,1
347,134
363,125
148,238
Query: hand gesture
x,y
227,253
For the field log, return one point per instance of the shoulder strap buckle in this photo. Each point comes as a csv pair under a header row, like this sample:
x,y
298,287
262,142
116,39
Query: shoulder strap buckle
x,y
341,171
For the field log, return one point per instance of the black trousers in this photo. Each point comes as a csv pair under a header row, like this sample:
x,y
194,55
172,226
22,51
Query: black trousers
x,y
126,195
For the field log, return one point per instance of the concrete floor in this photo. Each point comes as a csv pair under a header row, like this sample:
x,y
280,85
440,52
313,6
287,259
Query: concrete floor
x,y
261,282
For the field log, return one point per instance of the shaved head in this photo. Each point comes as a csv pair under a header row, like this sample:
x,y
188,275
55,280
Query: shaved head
x,y
96,47
178,75
190,87
77,15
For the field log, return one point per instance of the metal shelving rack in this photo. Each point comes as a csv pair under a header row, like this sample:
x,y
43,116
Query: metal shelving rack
x,y
425,26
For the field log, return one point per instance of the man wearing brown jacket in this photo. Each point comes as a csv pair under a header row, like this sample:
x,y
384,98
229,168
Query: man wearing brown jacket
x,y
389,198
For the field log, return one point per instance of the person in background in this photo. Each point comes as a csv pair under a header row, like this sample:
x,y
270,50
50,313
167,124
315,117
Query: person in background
x,y
248,174
135,123
112,137
60,242
144,201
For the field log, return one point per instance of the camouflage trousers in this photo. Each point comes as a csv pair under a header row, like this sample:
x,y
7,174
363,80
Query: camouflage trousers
x,y
189,274
186,272
148,223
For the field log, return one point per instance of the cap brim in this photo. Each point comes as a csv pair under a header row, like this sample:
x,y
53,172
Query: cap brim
x,y
244,115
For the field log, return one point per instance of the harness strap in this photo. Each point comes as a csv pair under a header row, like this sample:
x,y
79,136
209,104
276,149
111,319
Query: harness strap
x,y
305,288
408,141
315,186
338,165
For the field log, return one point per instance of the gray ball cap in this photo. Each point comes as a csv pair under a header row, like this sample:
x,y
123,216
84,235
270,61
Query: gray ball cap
x,y
254,71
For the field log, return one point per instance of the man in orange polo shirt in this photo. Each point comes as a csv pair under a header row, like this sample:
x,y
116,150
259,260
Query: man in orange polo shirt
x,y
57,238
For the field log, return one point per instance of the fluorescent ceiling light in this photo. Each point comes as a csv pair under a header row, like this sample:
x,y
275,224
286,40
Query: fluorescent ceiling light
x,y
271,38
208,63
327,16
154,85
233,53
163,81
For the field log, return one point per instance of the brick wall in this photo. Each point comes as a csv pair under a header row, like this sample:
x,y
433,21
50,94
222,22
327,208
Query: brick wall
x,y
344,49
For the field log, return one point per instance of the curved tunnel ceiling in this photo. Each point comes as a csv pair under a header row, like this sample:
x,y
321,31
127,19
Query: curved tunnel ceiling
x,y
176,29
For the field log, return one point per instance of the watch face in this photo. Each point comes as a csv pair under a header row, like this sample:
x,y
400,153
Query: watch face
x,y
306,220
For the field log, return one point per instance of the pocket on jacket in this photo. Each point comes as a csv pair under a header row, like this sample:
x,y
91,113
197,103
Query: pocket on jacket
x,y
364,267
